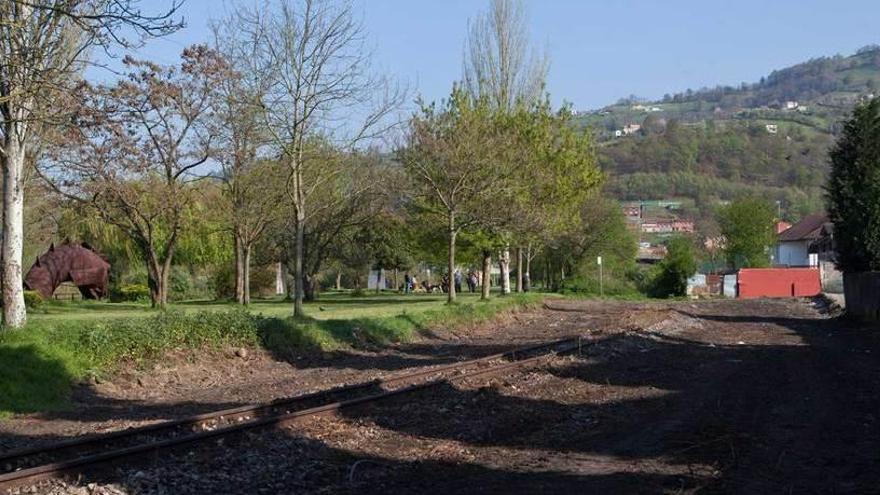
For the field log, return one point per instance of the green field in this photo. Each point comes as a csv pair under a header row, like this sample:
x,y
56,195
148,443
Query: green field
x,y
65,343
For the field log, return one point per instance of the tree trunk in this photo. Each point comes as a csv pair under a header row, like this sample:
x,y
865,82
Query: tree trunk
x,y
310,287
298,265
487,275
14,310
379,274
396,286
339,280
246,275
452,234
504,265
154,280
519,269
527,275
239,267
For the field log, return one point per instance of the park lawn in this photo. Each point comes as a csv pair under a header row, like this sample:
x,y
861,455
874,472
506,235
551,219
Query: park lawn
x,y
65,343
333,305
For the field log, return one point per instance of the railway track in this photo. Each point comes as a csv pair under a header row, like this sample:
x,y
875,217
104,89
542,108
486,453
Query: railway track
x,y
27,466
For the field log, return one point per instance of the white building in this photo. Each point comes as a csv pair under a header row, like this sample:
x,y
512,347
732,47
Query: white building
x,y
772,128
793,248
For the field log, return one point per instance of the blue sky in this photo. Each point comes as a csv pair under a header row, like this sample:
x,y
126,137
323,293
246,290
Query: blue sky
x,y
600,50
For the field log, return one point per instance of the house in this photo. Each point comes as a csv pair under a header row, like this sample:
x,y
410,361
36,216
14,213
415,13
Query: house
x,y
631,129
772,128
668,226
791,105
782,226
793,244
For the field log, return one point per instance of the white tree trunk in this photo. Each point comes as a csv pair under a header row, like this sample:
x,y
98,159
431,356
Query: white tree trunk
x,y
14,311
504,264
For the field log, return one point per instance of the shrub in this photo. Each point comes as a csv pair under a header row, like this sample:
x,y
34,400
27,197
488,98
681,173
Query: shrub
x,y
32,299
132,293
679,264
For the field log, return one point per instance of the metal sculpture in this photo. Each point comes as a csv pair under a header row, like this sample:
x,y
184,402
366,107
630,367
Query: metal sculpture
x,y
77,263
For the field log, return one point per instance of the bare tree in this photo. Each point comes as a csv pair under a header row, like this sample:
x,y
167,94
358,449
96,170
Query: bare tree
x,y
134,150
44,45
323,87
500,64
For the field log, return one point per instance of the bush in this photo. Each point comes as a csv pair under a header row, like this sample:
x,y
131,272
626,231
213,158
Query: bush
x,y
676,268
131,293
32,299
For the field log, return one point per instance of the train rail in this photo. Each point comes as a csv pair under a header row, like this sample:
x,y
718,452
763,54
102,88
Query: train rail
x,y
27,466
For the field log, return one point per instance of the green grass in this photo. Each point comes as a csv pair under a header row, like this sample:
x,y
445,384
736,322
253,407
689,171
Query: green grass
x,y
68,342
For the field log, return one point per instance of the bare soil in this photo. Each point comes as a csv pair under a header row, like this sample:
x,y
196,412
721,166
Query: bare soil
x,y
760,396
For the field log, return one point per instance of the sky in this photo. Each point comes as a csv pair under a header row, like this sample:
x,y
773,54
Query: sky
x,y
600,51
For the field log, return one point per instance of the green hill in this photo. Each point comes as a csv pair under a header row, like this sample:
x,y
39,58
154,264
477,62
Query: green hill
x,y
770,137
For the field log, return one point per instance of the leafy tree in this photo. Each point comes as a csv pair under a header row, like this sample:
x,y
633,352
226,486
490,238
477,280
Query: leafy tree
x,y
675,269
747,227
854,190
459,163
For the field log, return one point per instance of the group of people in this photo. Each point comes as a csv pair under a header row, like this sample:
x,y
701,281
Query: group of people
x,y
410,283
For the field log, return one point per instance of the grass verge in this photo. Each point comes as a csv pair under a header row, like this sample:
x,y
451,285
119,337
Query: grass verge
x,y
39,364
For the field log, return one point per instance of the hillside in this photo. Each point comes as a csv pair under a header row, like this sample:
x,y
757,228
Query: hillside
x,y
770,137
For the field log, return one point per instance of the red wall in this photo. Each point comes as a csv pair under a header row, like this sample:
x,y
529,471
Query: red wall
x,y
778,282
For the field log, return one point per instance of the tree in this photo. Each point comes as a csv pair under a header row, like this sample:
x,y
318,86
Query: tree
x,y
853,191
499,62
501,66
456,160
557,174
322,87
676,268
44,47
134,151
747,227
247,173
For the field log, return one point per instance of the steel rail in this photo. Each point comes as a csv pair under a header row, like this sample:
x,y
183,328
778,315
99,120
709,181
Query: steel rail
x,y
517,359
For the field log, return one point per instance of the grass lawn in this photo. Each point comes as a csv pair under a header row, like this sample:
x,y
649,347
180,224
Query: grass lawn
x,y
331,306
67,342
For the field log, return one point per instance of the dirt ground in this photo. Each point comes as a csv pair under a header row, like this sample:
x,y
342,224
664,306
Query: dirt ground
x,y
761,396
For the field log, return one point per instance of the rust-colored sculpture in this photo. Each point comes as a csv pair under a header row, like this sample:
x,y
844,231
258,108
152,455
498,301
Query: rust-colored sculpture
x,y
77,263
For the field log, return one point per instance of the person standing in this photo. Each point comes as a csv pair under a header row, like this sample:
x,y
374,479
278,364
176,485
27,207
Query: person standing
x,y
457,280
407,280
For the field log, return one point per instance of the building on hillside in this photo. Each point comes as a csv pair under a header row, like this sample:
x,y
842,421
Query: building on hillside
x,y
665,226
631,129
632,210
772,128
791,105
793,244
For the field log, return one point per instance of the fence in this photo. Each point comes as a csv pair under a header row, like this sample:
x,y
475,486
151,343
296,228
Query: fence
x,y
778,282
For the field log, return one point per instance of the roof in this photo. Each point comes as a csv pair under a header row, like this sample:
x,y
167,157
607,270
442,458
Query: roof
x,y
808,229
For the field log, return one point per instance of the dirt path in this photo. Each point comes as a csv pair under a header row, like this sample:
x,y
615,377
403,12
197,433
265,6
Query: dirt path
x,y
715,397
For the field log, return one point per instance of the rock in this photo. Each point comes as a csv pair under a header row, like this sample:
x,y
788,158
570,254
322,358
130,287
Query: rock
x,y
241,352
